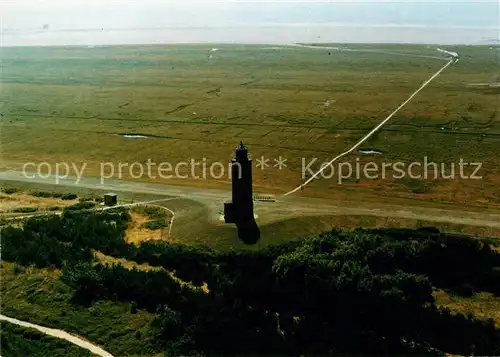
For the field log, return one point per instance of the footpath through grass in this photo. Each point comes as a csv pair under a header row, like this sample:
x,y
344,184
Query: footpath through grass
x,y
17,341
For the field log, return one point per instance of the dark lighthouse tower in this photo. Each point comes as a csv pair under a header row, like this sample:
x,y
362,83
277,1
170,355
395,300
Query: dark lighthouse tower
x,y
240,209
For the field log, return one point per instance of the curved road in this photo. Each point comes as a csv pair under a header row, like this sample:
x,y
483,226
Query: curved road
x,y
289,206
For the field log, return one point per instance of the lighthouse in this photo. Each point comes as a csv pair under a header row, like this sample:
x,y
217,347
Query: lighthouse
x,y
240,209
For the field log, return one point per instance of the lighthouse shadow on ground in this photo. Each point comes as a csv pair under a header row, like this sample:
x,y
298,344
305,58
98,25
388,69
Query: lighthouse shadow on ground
x,y
248,232
240,210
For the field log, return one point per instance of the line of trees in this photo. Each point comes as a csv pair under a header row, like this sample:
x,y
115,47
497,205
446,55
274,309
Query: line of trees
x,y
362,292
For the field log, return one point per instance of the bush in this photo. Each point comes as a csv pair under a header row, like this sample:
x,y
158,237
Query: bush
x,y
53,208
80,206
421,189
68,196
9,190
154,213
51,240
41,194
149,289
25,209
89,199
46,194
156,224
28,247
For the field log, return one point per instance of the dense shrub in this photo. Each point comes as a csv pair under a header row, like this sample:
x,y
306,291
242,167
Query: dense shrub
x,y
80,206
46,194
28,247
190,263
449,260
25,209
86,199
156,224
146,289
51,240
41,194
360,292
9,190
152,212
69,196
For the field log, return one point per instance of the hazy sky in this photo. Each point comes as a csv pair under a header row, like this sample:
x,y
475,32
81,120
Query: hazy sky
x,y
112,14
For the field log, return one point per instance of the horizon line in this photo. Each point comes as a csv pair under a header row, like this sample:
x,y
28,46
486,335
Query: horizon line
x,y
10,30
284,45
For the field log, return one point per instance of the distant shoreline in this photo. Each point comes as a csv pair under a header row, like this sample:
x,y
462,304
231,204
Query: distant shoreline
x,y
284,45
279,34
273,25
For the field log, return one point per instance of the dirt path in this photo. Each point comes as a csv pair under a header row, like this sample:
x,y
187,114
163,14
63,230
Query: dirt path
x,y
374,130
59,334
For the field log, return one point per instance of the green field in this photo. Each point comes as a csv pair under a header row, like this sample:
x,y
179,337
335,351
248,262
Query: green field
x,y
74,104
